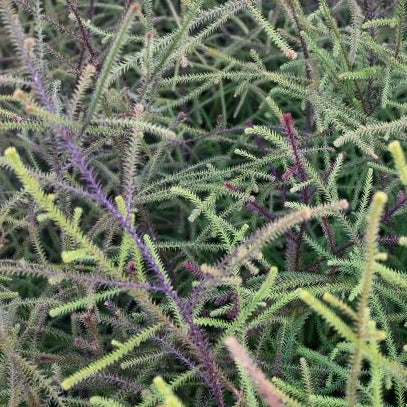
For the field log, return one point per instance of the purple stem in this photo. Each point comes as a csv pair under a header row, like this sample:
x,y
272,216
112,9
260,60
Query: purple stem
x,y
290,132
389,239
194,269
401,201
251,205
329,233
288,123
207,358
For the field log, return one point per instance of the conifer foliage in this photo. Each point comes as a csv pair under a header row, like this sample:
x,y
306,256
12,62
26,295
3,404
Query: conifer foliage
x,y
203,203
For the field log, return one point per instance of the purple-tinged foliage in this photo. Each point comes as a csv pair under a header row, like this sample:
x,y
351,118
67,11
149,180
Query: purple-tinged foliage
x,y
157,197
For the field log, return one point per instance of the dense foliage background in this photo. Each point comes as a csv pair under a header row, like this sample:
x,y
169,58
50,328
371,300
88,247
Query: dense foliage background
x,y
203,203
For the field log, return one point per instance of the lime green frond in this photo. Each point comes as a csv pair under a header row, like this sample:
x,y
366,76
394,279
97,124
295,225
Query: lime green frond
x,y
111,358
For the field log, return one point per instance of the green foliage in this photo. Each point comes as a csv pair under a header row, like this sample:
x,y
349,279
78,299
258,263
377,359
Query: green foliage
x,y
170,400
161,161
